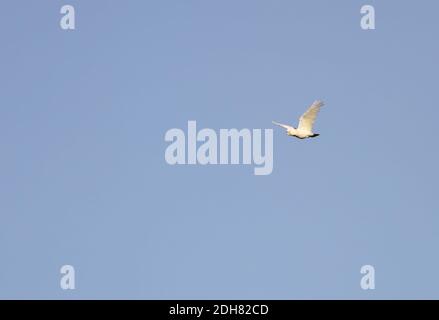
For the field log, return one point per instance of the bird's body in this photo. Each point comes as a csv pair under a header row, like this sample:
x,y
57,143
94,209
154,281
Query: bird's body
x,y
306,122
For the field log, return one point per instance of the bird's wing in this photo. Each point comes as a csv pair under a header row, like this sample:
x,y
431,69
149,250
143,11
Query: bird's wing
x,y
307,119
282,125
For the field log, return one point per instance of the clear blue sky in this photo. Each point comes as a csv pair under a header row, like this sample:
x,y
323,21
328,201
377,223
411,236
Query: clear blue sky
x,y
83,179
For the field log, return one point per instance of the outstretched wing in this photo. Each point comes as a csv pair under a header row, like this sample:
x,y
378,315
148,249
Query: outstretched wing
x,y
282,125
307,119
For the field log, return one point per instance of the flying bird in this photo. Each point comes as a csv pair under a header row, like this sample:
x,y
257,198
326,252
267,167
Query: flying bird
x,y
306,122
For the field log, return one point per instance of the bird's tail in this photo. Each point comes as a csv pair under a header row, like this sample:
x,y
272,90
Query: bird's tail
x,y
314,135
280,124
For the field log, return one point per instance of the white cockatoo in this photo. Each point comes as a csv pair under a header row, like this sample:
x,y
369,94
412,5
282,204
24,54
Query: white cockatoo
x,y
306,121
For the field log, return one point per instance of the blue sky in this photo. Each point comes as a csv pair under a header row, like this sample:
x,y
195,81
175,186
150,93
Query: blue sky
x,y
84,181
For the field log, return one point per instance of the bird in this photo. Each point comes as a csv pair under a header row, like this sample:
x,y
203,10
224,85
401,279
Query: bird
x,y
306,122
